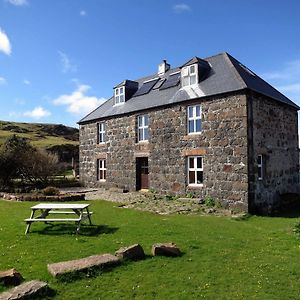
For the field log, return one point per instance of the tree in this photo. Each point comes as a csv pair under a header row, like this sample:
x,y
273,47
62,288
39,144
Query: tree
x,y
20,160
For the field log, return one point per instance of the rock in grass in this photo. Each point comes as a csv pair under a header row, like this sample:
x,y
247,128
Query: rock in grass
x,y
165,249
10,277
27,290
133,252
83,264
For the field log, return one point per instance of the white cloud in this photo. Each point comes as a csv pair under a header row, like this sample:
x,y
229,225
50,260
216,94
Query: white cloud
x,y
5,45
293,88
2,80
82,13
18,2
67,65
77,102
37,113
26,81
289,71
181,7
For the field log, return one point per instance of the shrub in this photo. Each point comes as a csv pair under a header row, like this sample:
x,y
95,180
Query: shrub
x,y
209,201
50,191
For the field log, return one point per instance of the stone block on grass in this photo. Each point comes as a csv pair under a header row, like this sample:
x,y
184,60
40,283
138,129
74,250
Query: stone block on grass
x,y
10,277
80,265
28,290
165,249
133,252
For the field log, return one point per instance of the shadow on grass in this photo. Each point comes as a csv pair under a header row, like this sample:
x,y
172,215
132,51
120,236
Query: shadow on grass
x,y
85,230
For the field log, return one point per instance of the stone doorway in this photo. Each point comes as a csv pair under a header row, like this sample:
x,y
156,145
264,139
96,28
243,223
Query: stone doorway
x,y
142,173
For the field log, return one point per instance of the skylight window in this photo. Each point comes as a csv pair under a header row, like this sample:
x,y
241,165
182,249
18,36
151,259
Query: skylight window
x,y
119,95
189,75
247,70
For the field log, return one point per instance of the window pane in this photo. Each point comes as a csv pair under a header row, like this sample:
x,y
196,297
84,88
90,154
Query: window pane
x,y
104,163
146,134
259,172
121,90
117,92
190,111
199,162
117,99
198,110
191,126
259,159
140,121
146,120
191,162
199,177
198,125
192,69
193,79
121,98
191,177
140,134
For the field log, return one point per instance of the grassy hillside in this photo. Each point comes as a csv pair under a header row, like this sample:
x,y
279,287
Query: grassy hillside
x,y
40,135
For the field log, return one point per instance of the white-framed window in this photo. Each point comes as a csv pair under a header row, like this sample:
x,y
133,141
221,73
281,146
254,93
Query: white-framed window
x,y
260,167
143,124
101,169
101,132
195,170
119,95
189,75
194,119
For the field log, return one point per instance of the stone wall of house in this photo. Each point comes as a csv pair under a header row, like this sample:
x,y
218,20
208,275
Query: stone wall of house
x,y
274,135
222,144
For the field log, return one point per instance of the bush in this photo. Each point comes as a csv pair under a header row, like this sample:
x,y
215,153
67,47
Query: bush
x,y
209,201
50,191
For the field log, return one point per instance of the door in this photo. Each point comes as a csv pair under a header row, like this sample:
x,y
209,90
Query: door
x,y
142,173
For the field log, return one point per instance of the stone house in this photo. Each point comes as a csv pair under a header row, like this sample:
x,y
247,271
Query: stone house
x,y
211,127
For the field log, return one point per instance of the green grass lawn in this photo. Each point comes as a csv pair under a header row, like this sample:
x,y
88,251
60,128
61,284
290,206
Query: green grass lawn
x,y
257,258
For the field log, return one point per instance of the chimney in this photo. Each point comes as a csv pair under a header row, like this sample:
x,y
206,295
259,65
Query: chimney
x,y
163,67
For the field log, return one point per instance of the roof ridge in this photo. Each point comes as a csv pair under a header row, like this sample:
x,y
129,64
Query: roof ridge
x,y
228,57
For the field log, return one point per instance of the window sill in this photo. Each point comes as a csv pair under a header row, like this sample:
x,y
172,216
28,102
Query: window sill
x,y
101,144
102,180
195,186
143,142
191,136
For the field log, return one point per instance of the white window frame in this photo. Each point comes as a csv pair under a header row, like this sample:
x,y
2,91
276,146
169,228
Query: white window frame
x,y
120,95
194,118
101,132
101,169
194,169
187,73
143,127
260,170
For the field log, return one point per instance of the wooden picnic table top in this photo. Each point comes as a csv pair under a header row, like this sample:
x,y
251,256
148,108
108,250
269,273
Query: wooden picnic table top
x,y
59,206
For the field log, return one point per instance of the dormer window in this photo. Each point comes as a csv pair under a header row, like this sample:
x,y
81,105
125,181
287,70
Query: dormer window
x,y
189,75
119,95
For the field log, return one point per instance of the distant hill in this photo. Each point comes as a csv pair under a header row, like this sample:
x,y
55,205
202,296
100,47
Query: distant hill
x,y
40,135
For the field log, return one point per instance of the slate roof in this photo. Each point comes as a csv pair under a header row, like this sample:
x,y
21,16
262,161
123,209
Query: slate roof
x,y
226,75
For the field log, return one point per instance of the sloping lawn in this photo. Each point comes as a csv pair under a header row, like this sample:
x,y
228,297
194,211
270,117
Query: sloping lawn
x,y
257,258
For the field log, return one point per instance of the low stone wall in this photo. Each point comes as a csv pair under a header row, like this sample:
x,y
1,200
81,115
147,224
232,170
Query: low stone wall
x,y
42,198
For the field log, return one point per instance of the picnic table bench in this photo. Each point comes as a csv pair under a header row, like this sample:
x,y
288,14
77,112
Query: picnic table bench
x,y
80,211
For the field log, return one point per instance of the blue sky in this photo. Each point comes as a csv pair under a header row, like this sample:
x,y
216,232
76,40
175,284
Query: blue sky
x,y
59,59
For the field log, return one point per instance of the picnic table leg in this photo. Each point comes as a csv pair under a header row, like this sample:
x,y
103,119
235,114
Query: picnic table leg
x,y
29,223
89,216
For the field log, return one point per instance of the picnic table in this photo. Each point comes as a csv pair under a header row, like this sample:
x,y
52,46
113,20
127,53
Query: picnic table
x,y
58,209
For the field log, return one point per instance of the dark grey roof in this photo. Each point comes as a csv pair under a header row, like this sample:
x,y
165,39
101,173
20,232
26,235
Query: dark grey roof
x,y
226,75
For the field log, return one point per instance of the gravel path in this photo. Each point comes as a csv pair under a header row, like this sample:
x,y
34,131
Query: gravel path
x,y
155,203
